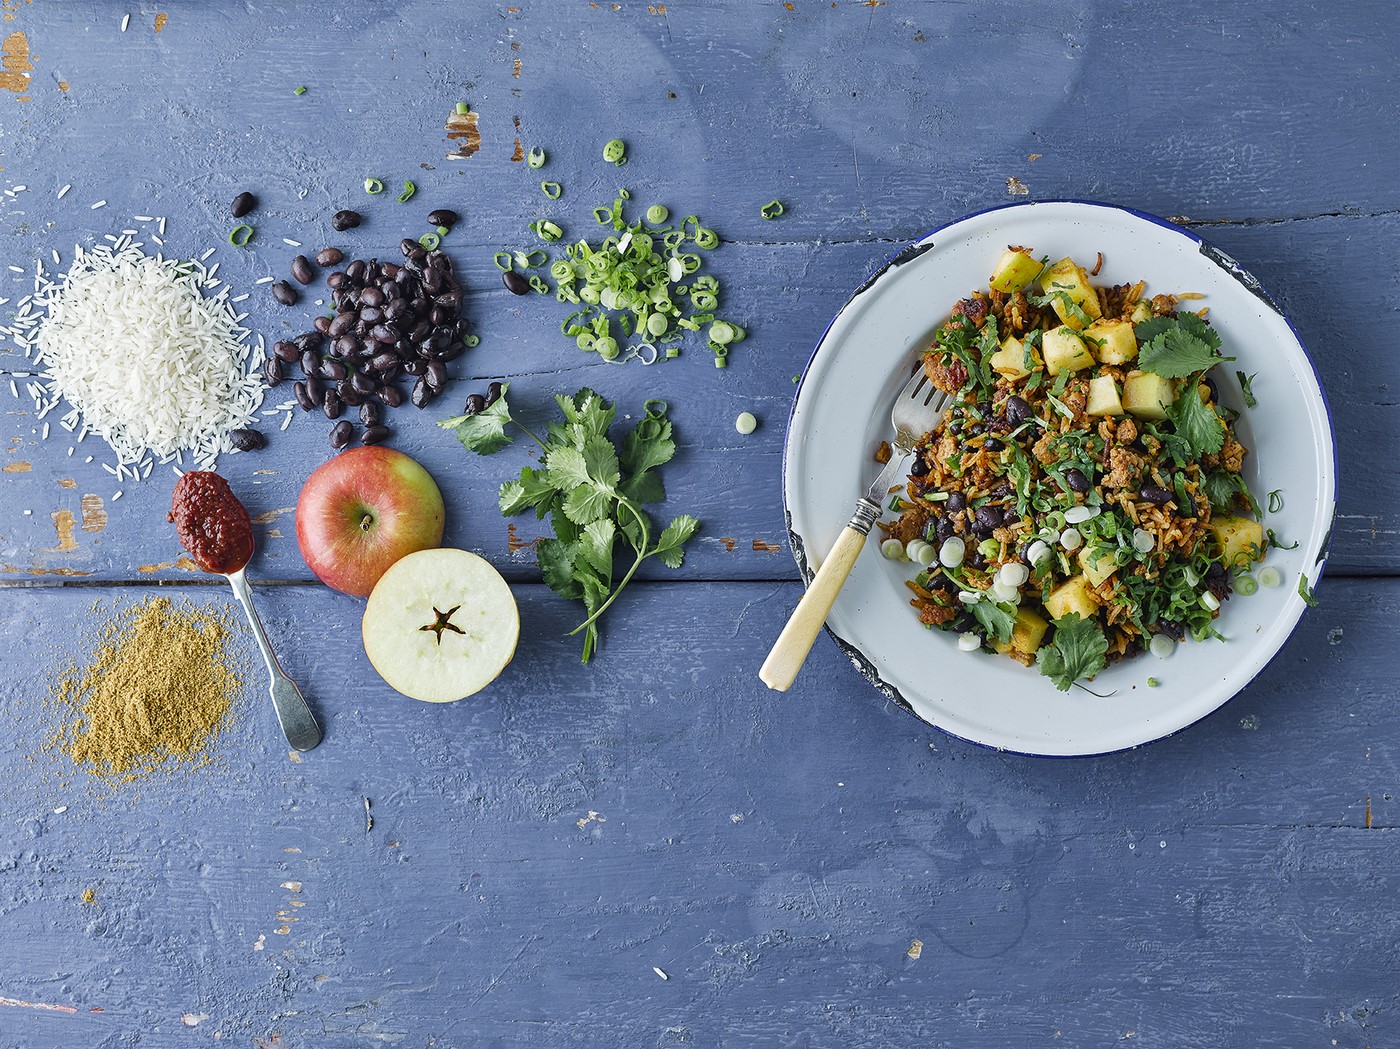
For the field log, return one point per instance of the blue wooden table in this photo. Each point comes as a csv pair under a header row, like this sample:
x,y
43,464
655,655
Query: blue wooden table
x,y
654,850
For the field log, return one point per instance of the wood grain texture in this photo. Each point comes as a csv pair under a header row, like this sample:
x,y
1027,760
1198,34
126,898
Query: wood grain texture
x,y
536,852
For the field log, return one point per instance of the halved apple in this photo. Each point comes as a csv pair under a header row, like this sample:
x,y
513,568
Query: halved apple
x,y
440,625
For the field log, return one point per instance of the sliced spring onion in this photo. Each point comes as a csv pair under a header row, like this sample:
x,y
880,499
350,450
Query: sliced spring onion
x,y
472,340
657,214
1161,645
408,190
615,151
1071,540
547,230
1246,585
746,424
536,157
1152,682
374,185
892,549
1270,576
430,241
1209,601
538,285
1013,574
706,238
240,235
1144,541
1080,514
968,641
443,231
300,91
503,260
969,597
673,351
771,210
463,109
1037,552
721,362
950,554
552,190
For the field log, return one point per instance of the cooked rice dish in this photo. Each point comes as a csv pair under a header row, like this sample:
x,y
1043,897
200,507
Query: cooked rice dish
x,y
1082,499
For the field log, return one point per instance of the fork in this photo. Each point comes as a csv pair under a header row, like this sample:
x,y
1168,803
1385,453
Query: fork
x,y
916,411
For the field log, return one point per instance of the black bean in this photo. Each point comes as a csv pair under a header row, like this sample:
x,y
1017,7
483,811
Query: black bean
x,y
343,323
943,529
331,405
348,347
412,249
1076,480
1018,410
302,271
342,433
1010,516
363,384
1175,631
370,413
285,294
919,467
439,315
272,371
415,366
476,404
436,374
453,351
449,300
310,362
443,217
493,394
516,283
302,396
247,440
336,280
956,501
285,351
374,434
1214,390
242,204
422,394
356,270
390,270
383,362
992,444
1155,494
385,334
315,389
390,395
329,257
322,324
371,296
311,340
432,280
333,370
343,220
987,518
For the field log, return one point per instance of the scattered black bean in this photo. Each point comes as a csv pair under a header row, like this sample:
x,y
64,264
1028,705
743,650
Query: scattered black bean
x,y
322,324
311,340
247,440
343,220
443,217
272,371
303,397
422,394
333,370
242,204
342,433
391,396
919,468
374,434
370,413
993,444
956,501
493,394
310,362
987,518
1018,410
1076,480
1155,494
285,294
476,404
1010,516
329,257
331,405
1214,390
515,282
302,271
436,376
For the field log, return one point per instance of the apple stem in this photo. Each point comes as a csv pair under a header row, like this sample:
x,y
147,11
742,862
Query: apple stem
x,y
365,522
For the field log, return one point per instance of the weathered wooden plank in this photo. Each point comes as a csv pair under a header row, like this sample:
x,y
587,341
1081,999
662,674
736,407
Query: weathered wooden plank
x,y
536,852
1324,271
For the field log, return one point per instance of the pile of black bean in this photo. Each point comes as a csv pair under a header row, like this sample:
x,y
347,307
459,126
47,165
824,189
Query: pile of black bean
x,y
392,321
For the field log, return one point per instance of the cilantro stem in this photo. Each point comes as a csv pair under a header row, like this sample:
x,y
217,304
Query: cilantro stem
x,y
642,554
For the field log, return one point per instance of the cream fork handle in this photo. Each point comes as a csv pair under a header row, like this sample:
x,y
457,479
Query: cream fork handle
x,y
789,652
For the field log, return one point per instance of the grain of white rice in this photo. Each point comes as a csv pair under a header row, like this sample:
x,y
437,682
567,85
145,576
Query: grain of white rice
x,y
16,269
116,495
158,240
286,421
61,193
293,243
131,233
46,432
161,229
109,469
126,21
28,512
264,280
206,254
239,298
88,459
99,204
14,390
143,218
70,450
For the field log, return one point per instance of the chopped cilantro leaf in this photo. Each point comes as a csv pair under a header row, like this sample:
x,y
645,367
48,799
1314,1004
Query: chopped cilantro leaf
x,y
996,620
484,432
1196,423
1078,651
1246,382
1305,591
1176,353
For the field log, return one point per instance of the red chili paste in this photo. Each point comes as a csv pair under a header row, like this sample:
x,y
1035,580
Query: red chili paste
x,y
212,524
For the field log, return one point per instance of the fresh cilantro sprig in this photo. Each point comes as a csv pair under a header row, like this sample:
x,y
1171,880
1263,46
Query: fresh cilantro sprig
x,y
1196,423
996,620
1175,347
1078,651
592,492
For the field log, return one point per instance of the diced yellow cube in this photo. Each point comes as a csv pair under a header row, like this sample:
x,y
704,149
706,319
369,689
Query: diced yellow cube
x,y
1142,311
1103,396
1009,360
1065,351
1073,595
1098,564
1069,277
1147,395
1026,634
1113,342
1241,540
1015,270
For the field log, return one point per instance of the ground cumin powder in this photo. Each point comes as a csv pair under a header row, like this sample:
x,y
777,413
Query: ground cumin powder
x,y
154,694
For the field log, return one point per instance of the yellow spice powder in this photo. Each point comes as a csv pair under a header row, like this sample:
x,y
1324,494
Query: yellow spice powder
x,y
154,693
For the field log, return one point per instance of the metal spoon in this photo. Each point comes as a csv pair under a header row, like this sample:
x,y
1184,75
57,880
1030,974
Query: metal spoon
x,y
295,717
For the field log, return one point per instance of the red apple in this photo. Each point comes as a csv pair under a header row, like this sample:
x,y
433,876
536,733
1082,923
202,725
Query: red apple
x,y
362,511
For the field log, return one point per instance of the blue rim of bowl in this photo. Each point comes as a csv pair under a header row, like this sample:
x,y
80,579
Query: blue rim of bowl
x,y
864,666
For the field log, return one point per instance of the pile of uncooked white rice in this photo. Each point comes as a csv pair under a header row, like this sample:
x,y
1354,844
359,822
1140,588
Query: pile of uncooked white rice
x,y
146,353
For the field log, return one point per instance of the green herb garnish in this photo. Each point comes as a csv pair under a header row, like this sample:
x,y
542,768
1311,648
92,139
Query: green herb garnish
x,y
1178,346
997,621
593,494
1196,423
1246,384
1305,591
1078,651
